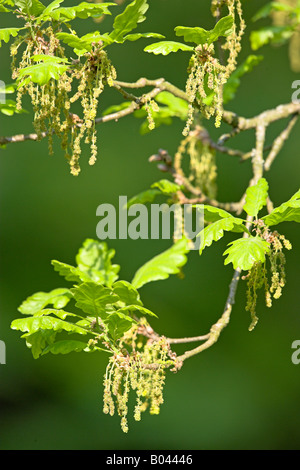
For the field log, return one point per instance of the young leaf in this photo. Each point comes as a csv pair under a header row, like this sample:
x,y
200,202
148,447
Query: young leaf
x,y
37,341
94,259
129,19
127,293
165,47
9,108
30,7
256,197
83,10
136,36
118,323
215,231
65,347
202,36
161,266
144,197
244,252
59,298
5,34
92,298
177,106
288,212
136,308
70,273
43,72
212,214
166,187
33,324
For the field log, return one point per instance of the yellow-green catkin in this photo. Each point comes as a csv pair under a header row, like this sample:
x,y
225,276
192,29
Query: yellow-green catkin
x,y
207,73
258,276
143,372
52,102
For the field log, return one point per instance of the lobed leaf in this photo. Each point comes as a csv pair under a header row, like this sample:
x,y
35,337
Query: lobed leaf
x,y
166,47
30,7
162,265
95,260
127,293
288,212
59,298
118,323
202,36
215,230
144,197
93,298
36,323
166,187
83,10
244,252
133,14
6,33
256,197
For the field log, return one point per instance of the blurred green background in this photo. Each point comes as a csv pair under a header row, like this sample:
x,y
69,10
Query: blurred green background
x,y
241,394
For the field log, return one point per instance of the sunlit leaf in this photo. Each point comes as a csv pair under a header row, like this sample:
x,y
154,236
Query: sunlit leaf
x,y
162,265
166,47
256,197
133,14
244,252
92,298
288,212
59,298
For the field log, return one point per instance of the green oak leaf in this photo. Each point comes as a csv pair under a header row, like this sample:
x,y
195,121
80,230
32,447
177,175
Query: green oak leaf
x,y
166,47
136,36
127,293
131,309
133,14
144,197
118,323
33,324
65,347
287,212
6,33
202,36
70,273
59,298
30,7
256,197
166,187
244,252
43,72
95,260
215,230
92,298
83,10
38,340
162,265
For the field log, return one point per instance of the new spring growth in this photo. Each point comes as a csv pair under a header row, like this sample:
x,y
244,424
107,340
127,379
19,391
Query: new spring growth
x,y
257,277
142,370
208,74
83,81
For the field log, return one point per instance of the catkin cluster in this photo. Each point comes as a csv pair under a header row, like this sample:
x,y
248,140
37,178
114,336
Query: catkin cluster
x,y
82,82
202,160
142,371
257,277
208,74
